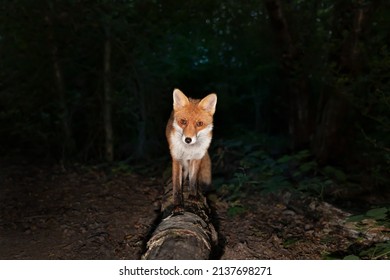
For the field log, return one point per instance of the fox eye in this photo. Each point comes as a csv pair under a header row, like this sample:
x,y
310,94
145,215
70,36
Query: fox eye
x,y
199,123
183,121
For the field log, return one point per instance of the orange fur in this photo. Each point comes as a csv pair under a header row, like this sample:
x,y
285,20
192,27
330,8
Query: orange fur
x,y
189,133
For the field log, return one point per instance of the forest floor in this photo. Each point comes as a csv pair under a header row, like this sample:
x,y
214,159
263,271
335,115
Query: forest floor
x,y
80,212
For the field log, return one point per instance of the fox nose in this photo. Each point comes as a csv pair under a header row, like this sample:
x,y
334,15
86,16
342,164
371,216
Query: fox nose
x,y
188,140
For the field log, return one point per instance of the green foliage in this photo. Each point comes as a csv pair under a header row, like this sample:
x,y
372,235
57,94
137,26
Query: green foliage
x,y
298,172
378,251
381,215
235,209
371,219
257,170
374,252
351,257
335,173
378,213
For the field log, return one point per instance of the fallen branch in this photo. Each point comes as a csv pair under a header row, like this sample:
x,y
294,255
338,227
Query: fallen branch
x,y
188,236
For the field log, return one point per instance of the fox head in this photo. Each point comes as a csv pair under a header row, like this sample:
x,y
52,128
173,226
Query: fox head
x,y
193,118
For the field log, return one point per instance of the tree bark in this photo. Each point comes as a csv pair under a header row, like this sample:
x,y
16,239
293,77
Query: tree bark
x,y
333,131
190,236
297,92
107,103
68,143
141,116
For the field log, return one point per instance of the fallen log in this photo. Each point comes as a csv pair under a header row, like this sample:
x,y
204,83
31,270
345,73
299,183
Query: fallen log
x,y
190,236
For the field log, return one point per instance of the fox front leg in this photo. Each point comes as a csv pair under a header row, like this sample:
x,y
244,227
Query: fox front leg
x,y
177,185
193,179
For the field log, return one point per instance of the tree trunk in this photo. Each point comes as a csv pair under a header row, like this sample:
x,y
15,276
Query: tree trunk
x,y
333,127
107,103
297,91
141,121
141,118
190,236
332,131
68,143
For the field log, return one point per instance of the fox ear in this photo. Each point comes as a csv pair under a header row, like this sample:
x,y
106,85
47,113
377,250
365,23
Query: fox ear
x,y
179,99
209,103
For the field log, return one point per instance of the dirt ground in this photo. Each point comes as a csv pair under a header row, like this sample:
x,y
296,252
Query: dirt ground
x,y
78,212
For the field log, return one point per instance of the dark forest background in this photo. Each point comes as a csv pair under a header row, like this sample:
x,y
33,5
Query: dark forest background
x,y
303,86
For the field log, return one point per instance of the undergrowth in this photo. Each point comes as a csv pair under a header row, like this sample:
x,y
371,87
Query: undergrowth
x,y
251,164
256,163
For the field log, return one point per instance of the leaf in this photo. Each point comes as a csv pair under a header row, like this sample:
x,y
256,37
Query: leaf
x,y
351,257
378,213
275,184
356,218
308,166
302,154
284,159
335,173
380,250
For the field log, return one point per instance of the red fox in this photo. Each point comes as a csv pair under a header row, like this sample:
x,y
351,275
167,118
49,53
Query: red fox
x,y
189,133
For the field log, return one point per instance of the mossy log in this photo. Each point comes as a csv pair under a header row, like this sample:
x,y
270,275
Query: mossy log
x,y
190,236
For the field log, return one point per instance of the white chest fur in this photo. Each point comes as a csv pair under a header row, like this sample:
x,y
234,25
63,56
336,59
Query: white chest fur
x,y
183,151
